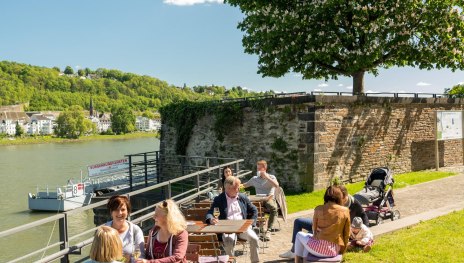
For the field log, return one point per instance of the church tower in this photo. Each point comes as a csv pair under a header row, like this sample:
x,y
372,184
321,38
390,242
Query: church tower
x,y
91,107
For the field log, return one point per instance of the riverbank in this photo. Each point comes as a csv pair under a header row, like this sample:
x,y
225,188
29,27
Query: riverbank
x,y
50,139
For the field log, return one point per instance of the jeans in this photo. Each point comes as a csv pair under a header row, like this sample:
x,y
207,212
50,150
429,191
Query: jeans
x,y
298,225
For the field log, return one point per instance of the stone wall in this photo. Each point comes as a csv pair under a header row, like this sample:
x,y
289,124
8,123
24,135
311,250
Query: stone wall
x,y
309,140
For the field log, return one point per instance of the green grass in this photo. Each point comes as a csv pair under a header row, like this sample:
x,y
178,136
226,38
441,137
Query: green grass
x,y
51,139
304,201
437,240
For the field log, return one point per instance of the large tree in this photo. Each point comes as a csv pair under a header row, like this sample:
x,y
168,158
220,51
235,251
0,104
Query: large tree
x,y
72,123
122,120
329,38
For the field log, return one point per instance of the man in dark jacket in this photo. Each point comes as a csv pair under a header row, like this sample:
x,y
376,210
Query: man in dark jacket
x,y
235,206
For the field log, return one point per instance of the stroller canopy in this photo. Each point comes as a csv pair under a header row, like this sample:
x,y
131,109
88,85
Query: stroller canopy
x,y
381,173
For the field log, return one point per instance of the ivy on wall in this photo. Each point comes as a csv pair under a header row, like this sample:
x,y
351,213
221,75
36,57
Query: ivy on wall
x,y
183,117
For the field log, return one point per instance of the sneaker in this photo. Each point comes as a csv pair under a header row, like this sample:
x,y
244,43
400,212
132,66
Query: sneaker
x,y
289,254
367,248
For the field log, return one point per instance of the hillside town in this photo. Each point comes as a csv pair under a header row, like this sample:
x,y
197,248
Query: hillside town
x,y
44,122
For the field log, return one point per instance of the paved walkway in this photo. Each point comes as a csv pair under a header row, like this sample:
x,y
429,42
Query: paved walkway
x,y
416,203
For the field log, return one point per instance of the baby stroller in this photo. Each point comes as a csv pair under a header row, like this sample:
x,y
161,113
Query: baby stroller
x,y
377,196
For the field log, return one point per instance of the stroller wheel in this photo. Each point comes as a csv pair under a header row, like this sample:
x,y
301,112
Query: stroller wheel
x,y
395,215
379,220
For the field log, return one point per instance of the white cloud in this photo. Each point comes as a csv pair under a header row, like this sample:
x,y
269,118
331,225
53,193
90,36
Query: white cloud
x,y
317,90
297,75
77,67
323,85
191,2
371,91
349,87
461,83
422,84
340,85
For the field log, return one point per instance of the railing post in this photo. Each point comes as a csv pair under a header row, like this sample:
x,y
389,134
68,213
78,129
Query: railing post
x,y
130,172
158,168
198,186
237,167
207,162
169,193
63,228
182,163
146,168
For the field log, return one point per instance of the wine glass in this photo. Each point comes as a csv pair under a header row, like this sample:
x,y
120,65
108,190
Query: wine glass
x,y
216,212
136,253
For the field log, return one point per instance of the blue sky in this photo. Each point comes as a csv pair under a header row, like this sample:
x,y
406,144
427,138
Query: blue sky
x,y
195,42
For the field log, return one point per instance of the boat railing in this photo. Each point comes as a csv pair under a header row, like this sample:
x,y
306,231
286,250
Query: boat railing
x,y
70,243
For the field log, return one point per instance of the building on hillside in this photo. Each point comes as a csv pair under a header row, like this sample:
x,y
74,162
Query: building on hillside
x,y
8,121
101,120
146,124
105,121
41,124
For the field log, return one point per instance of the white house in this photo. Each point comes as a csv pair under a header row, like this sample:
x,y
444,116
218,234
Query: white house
x,y
146,124
8,121
102,121
40,124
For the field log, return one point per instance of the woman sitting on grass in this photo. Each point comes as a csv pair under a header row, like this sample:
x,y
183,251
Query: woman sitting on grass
x,y
331,228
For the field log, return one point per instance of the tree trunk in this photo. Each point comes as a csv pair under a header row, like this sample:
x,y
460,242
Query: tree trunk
x,y
358,83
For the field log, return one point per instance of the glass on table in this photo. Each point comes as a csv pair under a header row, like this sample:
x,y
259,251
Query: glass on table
x,y
216,212
136,253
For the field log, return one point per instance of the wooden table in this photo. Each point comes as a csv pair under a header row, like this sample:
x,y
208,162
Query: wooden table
x,y
223,226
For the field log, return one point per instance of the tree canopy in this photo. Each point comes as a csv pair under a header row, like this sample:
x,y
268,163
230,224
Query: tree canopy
x,y
45,89
122,120
72,123
329,38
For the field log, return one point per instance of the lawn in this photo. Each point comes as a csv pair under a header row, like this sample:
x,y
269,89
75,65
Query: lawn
x,y
437,240
304,201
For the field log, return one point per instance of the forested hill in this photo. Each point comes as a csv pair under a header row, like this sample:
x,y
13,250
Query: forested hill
x,y
54,89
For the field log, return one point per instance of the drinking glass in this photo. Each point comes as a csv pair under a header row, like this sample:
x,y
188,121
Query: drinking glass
x,y
136,253
216,212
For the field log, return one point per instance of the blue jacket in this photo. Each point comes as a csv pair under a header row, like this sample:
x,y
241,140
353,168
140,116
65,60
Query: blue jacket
x,y
249,211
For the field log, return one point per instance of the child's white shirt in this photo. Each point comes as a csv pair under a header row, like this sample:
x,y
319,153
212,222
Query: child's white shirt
x,y
364,235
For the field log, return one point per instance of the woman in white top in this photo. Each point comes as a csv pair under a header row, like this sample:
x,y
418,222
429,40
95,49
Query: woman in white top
x,y
131,235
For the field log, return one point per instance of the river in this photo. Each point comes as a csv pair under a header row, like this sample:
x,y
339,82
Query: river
x,y
24,167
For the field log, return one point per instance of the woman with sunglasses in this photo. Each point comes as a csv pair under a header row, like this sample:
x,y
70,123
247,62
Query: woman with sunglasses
x,y
168,239
131,235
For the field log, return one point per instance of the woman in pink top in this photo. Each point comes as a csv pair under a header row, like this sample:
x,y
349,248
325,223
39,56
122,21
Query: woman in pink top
x,y
168,239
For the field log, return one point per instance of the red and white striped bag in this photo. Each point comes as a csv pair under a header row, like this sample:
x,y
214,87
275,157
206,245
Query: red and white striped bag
x,y
322,248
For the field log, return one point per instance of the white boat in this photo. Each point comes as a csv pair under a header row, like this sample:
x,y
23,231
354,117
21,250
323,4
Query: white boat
x,y
103,178
67,198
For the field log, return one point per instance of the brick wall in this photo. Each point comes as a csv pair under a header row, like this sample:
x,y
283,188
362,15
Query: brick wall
x,y
309,140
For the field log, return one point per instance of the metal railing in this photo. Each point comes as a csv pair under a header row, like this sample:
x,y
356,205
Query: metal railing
x,y
340,93
204,181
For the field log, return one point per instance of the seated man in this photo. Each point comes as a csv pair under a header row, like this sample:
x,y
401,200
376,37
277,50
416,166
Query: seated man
x,y
233,205
299,224
265,184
